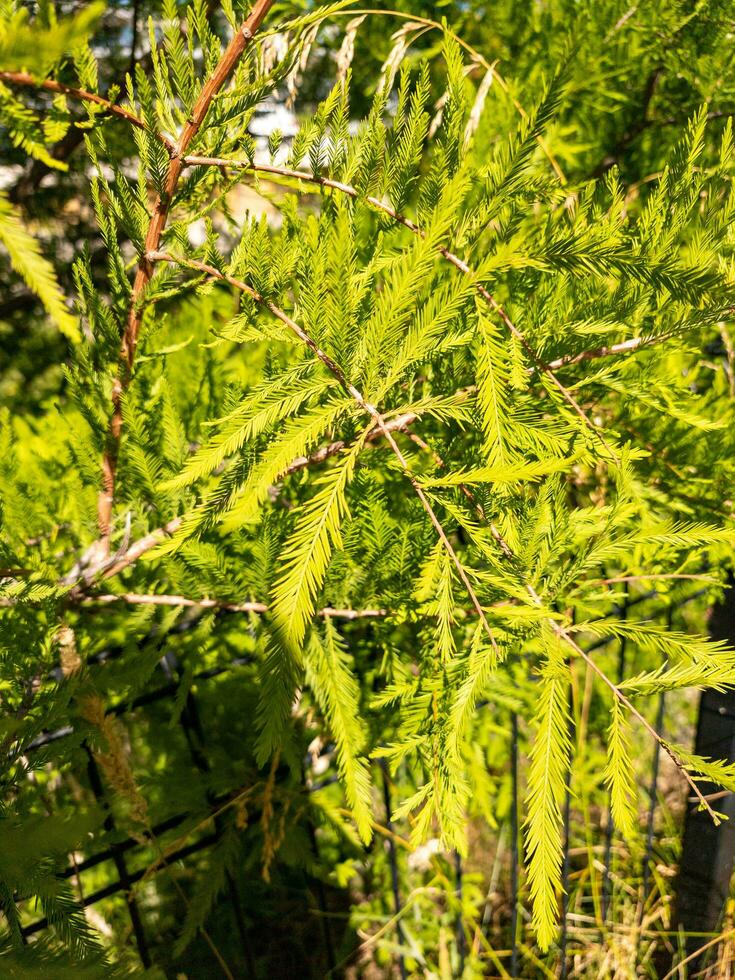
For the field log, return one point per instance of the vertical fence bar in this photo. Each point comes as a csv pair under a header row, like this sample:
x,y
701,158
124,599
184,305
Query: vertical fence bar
x,y
564,937
652,796
609,826
321,897
121,867
483,927
393,860
514,852
653,792
193,730
459,928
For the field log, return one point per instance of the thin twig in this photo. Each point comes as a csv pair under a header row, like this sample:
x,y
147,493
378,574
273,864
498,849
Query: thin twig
x,y
49,85
564,635
369,409
608,350
134,598
450,257
698,576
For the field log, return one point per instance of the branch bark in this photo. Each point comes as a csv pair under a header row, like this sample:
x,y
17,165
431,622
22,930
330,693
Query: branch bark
x,y
49,85
144,272
134,598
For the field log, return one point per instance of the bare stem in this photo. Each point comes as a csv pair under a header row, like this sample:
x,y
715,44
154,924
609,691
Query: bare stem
x,y
144,272
134,598
624,347
49,85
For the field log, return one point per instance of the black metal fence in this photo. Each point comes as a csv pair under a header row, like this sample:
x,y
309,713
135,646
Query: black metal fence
x,y
719,858
120,852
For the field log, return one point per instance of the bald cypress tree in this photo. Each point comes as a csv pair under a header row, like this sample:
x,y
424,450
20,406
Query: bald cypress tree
x,y
394,438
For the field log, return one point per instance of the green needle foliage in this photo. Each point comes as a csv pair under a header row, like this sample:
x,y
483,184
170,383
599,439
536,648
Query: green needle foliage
x,y
397,435
28,262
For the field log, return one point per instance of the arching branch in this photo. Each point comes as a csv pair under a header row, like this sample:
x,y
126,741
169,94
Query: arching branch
x,y
49,85
450,257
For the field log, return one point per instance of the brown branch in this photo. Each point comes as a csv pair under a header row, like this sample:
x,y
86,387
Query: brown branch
x,y
90,568
66,146
112,566
645,578
379,422
133,598
143,275
49,85
609,350
450,257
